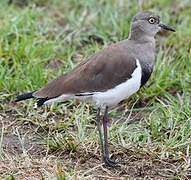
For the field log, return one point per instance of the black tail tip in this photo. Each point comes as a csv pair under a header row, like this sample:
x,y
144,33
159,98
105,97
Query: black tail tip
x,y
24,96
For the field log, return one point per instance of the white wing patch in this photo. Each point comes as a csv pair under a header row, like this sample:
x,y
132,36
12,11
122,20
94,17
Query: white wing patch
x,y
61,98
122,91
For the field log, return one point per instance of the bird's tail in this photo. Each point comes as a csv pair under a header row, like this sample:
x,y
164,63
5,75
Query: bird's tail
x,y
40,101
24,96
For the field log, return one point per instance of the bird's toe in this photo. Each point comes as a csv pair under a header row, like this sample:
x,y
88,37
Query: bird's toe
x,y
109,162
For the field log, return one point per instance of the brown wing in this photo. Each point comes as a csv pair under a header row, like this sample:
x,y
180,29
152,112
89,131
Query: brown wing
x,y
104,70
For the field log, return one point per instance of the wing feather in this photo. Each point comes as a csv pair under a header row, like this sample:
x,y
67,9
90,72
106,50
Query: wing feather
x,y
104,70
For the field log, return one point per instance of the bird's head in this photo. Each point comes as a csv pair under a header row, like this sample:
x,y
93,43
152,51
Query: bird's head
x,y
147,23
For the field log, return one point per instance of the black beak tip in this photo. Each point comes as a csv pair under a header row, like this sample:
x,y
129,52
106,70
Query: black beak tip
x,y
173,30
166,27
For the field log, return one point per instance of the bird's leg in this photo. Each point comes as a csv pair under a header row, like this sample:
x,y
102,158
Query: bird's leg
x,y
99,130
106,158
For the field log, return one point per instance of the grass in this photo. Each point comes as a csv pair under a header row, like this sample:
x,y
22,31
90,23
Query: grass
x,y
150,132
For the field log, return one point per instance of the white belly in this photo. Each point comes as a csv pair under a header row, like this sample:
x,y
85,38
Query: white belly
x,y
112,96
122,91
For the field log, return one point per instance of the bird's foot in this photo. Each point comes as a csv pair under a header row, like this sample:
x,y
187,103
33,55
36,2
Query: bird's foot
x,y
109,162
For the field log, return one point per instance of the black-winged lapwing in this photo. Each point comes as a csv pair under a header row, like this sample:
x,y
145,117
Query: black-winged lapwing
x,y
108,76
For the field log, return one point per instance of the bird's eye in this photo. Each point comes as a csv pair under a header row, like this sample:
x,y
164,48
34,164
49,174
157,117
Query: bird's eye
x,y
152,20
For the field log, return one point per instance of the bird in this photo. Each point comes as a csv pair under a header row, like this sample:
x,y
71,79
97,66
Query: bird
x,y
109,76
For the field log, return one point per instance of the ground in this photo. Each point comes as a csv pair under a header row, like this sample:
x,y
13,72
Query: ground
x,y
149,133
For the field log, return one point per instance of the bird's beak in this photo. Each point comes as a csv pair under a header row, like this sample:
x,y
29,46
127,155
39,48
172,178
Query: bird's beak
x,y
166,27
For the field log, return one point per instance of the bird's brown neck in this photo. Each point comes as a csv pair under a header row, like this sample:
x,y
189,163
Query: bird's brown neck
x,y
140,36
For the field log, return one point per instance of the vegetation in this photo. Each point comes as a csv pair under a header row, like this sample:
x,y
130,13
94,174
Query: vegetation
x,y
150,133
